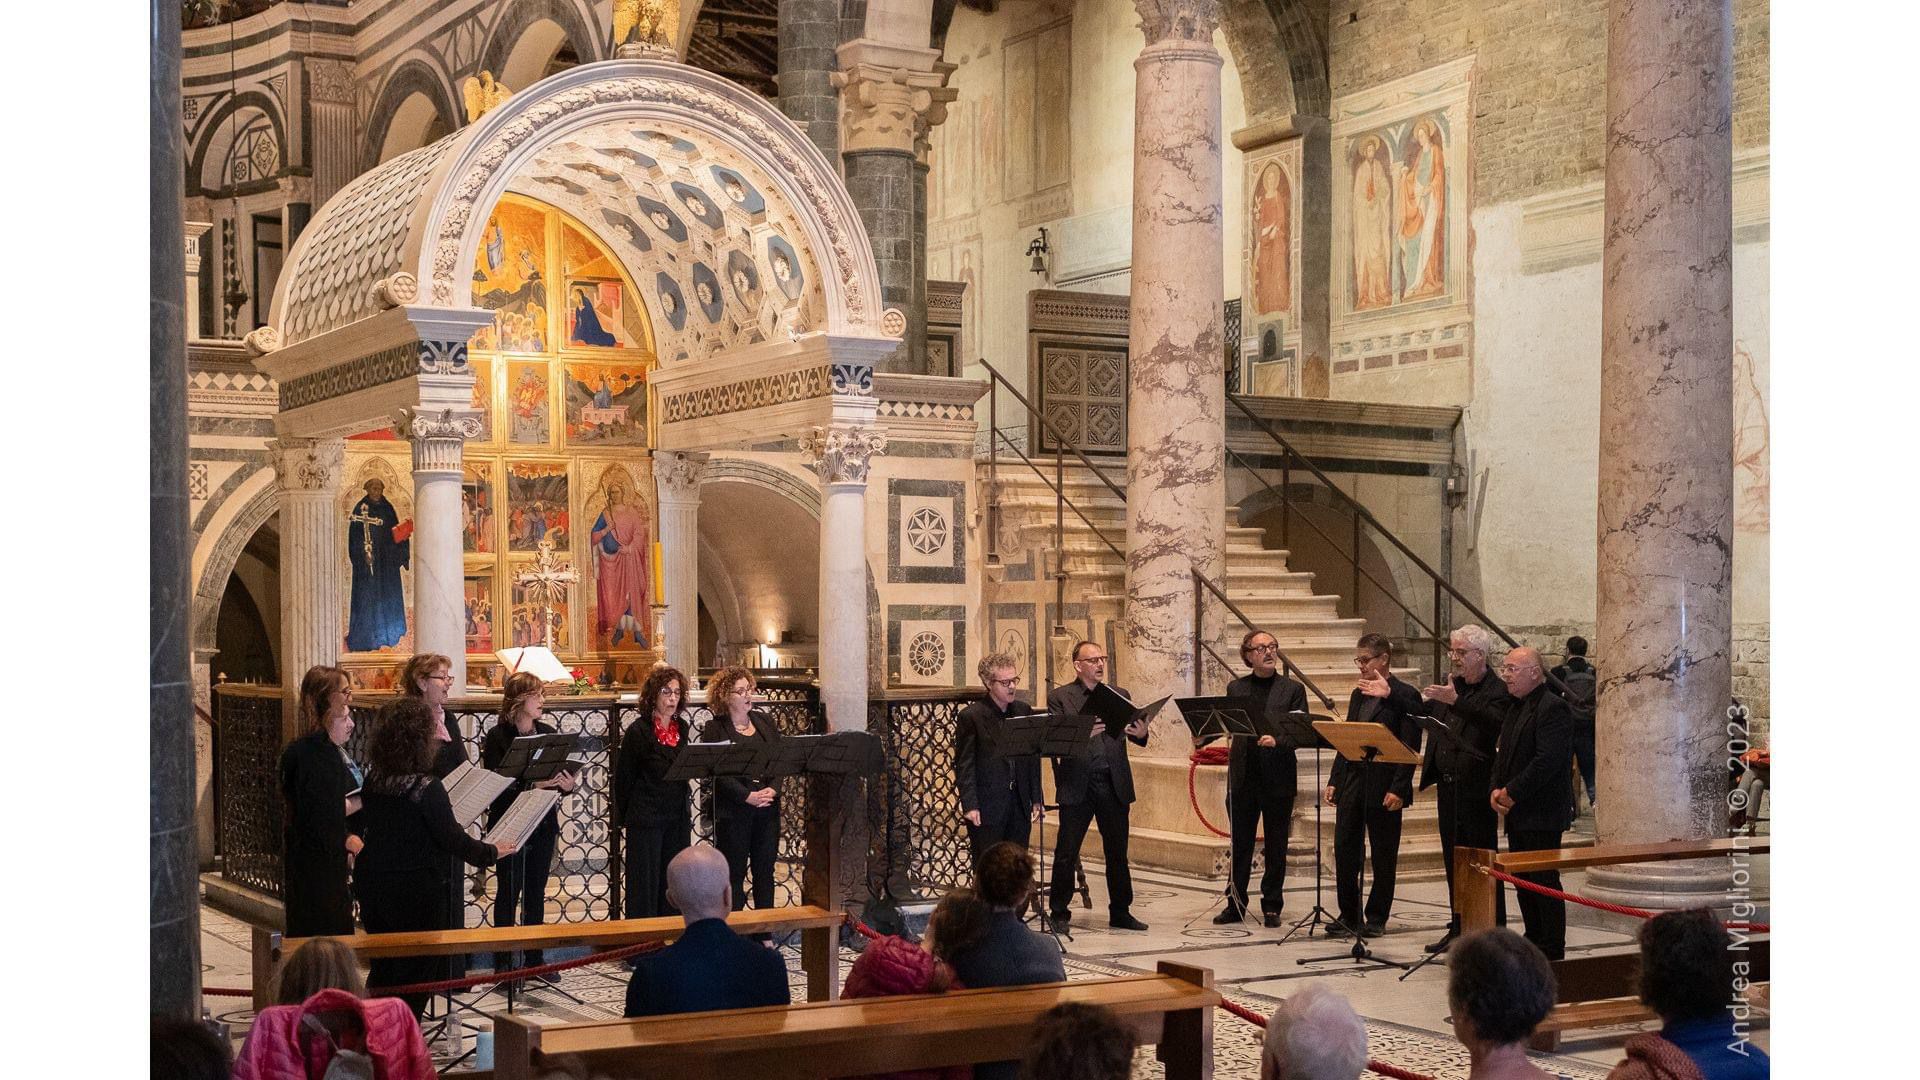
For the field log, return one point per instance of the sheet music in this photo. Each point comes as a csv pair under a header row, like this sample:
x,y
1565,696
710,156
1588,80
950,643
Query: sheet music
x,y
472,790
523,817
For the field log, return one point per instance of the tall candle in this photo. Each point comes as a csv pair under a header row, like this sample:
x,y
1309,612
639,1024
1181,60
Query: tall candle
x,y
659,576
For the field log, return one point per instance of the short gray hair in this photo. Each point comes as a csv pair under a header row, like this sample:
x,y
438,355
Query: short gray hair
x,y
1477,639
993,662
1316,1035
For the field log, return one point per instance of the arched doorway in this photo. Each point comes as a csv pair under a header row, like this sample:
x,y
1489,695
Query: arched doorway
x,y
759,587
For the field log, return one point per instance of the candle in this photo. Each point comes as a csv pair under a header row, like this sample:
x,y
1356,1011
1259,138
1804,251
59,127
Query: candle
x,y
659,576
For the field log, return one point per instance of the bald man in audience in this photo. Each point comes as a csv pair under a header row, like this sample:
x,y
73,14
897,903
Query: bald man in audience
x,y
710,967
1314,1034
1533,788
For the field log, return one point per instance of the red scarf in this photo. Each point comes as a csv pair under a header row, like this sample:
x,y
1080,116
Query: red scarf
x,y
667,732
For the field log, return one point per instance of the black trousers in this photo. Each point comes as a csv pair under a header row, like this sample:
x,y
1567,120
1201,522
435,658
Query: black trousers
x,y
1546,915
404,901
1007,821
1355,828
520,890
750,840
1101,805
1246,808
649,848
1477,827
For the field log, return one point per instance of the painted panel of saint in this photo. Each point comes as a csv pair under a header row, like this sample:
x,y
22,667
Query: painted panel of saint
x,y
483,393
607,404
1421,233
1272,220
529,421
510,279
479,590
536,505
620,551
476,511
1371,224
378,547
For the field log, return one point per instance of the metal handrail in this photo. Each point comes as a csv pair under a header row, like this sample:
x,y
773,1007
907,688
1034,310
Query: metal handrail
x,y
1287,665
1059,440
1062,497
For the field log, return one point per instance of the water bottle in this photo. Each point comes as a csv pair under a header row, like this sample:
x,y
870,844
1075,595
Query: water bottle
x,y
483,1046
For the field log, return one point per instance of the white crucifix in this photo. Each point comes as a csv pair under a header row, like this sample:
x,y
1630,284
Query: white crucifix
x,y
547,583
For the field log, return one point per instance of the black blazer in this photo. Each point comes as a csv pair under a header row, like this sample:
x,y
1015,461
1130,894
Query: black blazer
x,y
730,792
642,795
493,750
1476,717
709,968
987,781
1278,766
1535,763
1070,774
1366,785
314,780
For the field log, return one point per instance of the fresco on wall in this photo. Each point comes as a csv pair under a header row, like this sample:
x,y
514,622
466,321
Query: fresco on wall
x,y
476,510
379,547
620,558
606,404
483,396
529,420
598,312
510,279
1271,219
1751,443
1398,213
536,505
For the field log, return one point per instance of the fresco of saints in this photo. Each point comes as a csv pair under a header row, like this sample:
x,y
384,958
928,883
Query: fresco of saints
x,y
378,548
1272,242
1423,200
1372,213
621,548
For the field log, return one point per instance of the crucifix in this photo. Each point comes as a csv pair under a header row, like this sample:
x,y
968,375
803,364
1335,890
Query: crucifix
x,y
547,583
366,534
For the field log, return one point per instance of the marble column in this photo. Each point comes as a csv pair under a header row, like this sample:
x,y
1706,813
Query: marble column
x,y
439,576
808,32
678,479
1665,562
1176,494
842,454
307,473
173,892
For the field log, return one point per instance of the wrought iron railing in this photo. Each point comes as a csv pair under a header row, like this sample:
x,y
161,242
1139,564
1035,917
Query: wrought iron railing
x,y
252,844
1201,587
919,847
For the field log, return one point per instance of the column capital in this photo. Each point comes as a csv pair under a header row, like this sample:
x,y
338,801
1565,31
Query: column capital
x,y
1178,20
843,451
678,476
308,466
891,95
438,438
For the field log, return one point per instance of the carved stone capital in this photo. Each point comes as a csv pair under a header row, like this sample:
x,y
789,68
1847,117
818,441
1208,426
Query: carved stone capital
x,y
885,105
308,466
330,81
438,438
678,476
843,451
1178,20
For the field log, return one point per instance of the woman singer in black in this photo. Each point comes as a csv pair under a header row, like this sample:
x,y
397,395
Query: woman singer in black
x,y
316,779
520,894
746,811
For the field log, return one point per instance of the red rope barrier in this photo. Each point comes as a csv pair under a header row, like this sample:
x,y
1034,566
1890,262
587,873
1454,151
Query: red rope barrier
x,y
225,991
1602,905
1373,1065
864,930
1206,755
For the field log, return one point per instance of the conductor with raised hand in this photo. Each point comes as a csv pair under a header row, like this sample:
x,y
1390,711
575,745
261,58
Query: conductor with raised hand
x,y
1260,782
1095,784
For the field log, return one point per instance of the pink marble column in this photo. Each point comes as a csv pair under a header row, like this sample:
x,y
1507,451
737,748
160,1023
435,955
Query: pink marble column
x,y
1665,606
1176,391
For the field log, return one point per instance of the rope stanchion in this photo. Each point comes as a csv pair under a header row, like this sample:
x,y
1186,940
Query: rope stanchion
x,y
1373,1065
1601,905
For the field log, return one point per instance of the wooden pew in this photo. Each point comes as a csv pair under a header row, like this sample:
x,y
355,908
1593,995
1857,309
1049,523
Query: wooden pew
x,y
1172,1010
1595,991
818,927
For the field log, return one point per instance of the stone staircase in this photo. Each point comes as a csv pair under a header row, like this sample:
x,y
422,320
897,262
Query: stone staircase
x,y
1280,600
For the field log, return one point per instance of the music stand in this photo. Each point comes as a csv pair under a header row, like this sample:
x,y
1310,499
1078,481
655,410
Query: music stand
x,y
1365,743
1449,740
707,761
533,758
1296,730
1220,717
837,753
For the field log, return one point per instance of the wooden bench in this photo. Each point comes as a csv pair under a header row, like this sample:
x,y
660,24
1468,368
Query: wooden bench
x,y
1172,1010
1594,991
818,927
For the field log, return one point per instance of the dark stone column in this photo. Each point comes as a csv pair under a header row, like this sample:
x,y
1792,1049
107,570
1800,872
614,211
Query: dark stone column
x,y
917,304
173,875
809,33
881,185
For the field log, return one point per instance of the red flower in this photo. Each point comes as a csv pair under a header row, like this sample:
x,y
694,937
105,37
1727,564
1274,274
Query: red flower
x,y
578,674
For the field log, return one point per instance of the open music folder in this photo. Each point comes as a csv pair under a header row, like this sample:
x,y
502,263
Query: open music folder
x,y
472,790
525,815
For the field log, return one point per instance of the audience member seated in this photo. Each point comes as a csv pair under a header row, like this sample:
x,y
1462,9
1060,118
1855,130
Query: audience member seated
x,y
710,967
1499,987
894,965
322,964
1079,1042
292,1042
1314,1035
189,1050
1007,953
1686,976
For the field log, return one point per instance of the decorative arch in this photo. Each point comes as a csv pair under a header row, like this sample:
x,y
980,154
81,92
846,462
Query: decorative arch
x,y
762,475
221,129
525,25
222,544
414,76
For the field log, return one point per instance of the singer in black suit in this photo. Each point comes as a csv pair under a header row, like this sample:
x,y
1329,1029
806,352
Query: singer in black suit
x,y
1474,706
1095,784
1260,783
1369,797
746,811
1533,786
999,795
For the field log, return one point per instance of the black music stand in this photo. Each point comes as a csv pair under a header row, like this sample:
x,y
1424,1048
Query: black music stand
x,y
1451,741
837,753
1211,718
533,758
1053,735
708,761
1296,730
1364,742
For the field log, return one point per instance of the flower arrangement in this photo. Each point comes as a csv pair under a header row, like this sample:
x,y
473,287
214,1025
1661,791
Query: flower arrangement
x,y
581,684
